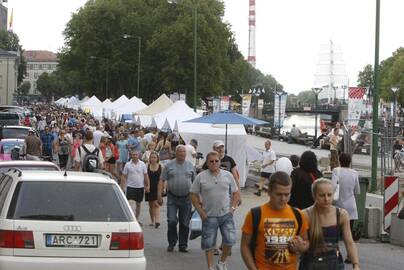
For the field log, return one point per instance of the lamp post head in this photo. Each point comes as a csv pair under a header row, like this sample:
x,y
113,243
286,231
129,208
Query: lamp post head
x,y
394,89
126,36
316,90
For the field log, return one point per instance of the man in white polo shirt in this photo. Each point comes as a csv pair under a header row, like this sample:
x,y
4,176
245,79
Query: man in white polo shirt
x,y
267,167
136,181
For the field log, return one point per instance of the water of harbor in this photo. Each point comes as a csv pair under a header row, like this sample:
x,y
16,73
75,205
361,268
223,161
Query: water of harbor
x,y
305,122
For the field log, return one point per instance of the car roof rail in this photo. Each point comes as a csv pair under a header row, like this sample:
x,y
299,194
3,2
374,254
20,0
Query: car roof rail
x,y
13,169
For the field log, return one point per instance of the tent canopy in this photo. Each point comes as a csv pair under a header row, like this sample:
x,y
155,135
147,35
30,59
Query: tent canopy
x,y
133,105
159,105
121,101
179,111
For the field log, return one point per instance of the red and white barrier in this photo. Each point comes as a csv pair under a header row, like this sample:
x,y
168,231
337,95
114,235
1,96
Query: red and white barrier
x,y
391,196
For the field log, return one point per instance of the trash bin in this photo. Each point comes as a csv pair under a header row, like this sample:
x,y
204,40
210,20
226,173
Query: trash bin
x,y
359,224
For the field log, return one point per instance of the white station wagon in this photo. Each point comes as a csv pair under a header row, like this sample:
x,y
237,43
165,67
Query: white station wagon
x,y
73,220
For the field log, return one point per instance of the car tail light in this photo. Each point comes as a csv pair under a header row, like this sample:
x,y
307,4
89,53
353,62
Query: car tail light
x,y
16,239
127,241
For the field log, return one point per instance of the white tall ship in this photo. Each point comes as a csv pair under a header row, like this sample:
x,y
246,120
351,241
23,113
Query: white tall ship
x,y
331,73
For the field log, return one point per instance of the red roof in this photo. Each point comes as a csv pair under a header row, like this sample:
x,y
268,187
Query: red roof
x,y
40,56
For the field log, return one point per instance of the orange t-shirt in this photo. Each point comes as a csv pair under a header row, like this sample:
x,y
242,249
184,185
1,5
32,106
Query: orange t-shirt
x,y
275,230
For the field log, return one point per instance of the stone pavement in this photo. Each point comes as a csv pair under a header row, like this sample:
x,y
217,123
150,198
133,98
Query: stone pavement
x,y
373,255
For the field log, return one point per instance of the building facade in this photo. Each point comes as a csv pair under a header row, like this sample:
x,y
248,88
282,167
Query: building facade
x,y
8,76
3,16
38,62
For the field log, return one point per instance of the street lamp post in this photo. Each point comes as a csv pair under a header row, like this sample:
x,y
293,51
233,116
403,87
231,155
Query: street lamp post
x,y
344,87
316,92
394,89
106,73
279,93
139,38
195,34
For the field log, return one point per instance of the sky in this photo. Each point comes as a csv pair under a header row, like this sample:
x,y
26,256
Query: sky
x,y
289,33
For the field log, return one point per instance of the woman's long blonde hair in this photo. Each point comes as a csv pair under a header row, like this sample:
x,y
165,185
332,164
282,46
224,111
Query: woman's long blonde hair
x,y
316,238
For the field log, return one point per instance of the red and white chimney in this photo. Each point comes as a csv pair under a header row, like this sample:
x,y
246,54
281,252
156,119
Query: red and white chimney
x,y
251,33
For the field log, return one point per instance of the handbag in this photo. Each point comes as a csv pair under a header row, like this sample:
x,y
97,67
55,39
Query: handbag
x,y
330,260
336,191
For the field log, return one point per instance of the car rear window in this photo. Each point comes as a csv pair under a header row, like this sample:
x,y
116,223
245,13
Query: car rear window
x,y
15,133
9,116
70,201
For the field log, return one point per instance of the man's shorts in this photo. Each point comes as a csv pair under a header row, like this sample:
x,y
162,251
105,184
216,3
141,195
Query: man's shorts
x,y
134,194
266,175
209,231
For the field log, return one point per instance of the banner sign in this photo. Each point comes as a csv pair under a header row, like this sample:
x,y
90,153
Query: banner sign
x,y
260,104
216,104
279,110
246,104
355,105
224,103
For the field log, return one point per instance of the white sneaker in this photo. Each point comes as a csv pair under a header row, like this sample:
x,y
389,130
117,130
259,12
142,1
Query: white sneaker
x,y
221,266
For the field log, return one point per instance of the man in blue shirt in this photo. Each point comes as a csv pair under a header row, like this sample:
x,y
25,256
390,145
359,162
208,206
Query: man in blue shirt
x,y
47,142
133,142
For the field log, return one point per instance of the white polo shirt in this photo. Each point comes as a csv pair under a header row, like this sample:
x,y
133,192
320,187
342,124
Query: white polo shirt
x,y
268,155
135,173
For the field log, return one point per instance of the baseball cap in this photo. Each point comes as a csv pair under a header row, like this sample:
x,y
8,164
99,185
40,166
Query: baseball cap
x,y
218,143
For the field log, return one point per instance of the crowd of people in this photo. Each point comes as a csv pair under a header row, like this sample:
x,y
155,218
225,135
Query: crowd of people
x,y
302,217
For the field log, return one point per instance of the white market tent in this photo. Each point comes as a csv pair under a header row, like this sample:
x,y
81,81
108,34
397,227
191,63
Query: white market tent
x,y
132,106
106,108
61,101
179,112
159,105
121,101
206,134
93,105
73,103
84,99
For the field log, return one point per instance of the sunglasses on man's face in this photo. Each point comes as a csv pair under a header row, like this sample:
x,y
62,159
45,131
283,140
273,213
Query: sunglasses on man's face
x,y
214,161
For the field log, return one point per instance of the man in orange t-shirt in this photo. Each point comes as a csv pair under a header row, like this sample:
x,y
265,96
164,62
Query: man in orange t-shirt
x,y
277,244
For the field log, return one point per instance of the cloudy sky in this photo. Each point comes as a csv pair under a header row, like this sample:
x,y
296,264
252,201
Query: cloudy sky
x,y
289,32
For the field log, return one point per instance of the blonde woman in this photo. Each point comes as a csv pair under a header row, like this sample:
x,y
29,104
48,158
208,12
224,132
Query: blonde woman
x,y
164,148
150,148
154,170
326,224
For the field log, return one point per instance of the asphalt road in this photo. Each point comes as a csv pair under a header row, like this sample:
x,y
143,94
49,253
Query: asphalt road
x,y
373,255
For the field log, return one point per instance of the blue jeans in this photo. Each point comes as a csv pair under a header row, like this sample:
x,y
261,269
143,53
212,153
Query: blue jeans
x,y
178,210
211,225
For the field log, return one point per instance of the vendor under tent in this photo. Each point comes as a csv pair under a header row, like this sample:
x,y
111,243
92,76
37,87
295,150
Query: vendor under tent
x,y
94,106
159,105
206,134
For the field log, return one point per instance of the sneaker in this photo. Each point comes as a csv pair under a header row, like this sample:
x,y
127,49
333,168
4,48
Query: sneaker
x,y
183,250
170,249
258,193
221,266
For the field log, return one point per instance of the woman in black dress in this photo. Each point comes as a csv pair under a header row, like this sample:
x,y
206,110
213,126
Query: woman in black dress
x,y
154,171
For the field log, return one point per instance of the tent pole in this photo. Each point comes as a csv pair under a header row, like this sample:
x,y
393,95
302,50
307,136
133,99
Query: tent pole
x,y
225,142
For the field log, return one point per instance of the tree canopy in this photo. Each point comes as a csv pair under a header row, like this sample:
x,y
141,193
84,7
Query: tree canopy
x,y
391,75
95,50
9,41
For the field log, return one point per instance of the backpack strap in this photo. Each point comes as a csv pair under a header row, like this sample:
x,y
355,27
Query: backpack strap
x,y
256,218
299,220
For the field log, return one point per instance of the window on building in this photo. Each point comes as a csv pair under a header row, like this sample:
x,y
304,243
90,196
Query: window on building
x,y
30,66
35,75
40,66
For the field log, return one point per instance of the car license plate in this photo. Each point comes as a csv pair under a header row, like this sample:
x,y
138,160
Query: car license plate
x,y
72,240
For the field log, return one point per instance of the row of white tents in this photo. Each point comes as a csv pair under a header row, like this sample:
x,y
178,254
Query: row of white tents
x,y
166,115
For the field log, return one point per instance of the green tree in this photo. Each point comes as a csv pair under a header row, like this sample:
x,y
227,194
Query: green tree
x,y
306,97
365,77
9,41
23,89
47,85
95,47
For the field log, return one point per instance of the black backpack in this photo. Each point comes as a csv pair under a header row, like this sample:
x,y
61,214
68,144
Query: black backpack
x,y
90,162
256,219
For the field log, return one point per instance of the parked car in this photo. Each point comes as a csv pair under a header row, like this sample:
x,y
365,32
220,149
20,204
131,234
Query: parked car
x,y
7,146
10,119
73,220
264,132
28,165
14,132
